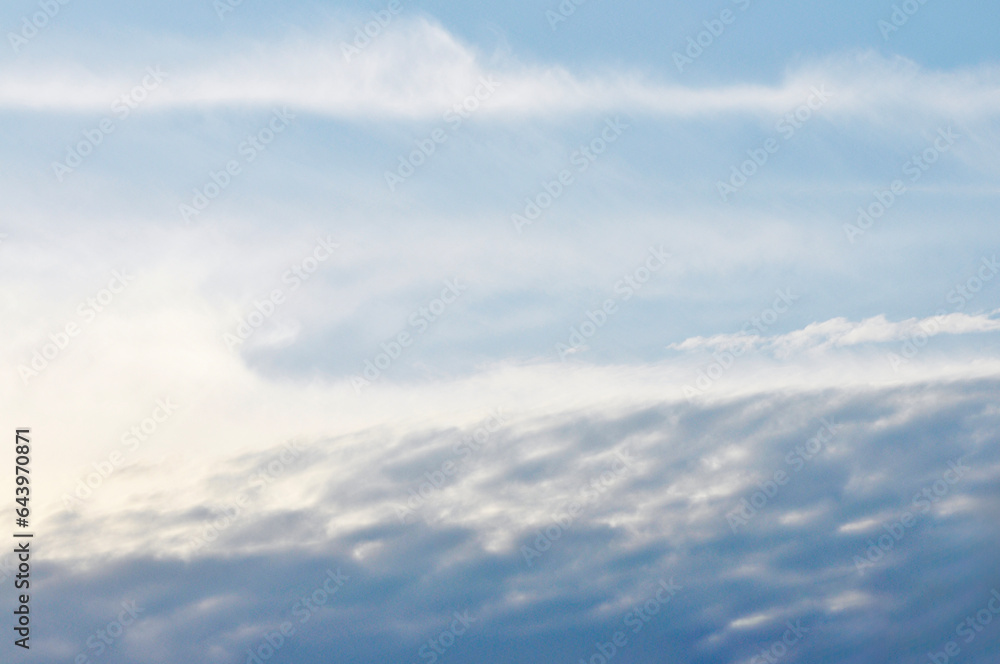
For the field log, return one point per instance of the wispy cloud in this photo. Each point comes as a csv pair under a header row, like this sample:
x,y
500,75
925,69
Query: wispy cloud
x,y
417,69
838,332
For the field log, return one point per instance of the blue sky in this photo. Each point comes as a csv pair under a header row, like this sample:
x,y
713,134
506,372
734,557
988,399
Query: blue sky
x,y
496,252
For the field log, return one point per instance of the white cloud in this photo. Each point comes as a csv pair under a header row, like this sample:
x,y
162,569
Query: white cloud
x,y
838,332
417,69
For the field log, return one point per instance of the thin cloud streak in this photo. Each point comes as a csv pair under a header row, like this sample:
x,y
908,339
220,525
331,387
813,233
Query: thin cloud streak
x,y
417,70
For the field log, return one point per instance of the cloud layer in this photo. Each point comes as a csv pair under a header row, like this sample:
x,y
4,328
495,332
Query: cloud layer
x,y
659,491
417,69
334,412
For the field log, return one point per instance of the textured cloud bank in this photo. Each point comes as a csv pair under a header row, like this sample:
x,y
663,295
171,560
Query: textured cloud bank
x,y
848,463
831,453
